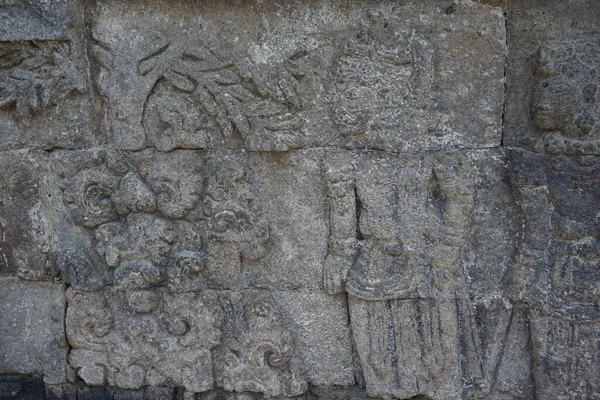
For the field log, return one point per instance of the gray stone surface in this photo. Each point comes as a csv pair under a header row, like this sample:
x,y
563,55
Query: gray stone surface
x,y
32,338
552,76
262,200
273,77
35,19
44,95
25,218
553,69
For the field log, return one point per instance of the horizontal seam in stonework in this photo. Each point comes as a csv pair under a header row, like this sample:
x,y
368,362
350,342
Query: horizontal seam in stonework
x,y
247,151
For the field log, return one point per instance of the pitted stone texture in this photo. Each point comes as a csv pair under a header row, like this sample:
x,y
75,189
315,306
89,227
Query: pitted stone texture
x,y
35,19
190,219
556,271
273,77
150,338
81,392
21,388
26,223
323,339
401,245
184,219
293,200
32,339
314,393
554,51
44,100
259,351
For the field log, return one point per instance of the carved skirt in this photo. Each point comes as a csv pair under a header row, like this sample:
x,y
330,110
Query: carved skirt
x,y
566,354
408,347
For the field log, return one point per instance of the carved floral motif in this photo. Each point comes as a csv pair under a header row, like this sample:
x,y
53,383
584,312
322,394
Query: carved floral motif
x,y
35,75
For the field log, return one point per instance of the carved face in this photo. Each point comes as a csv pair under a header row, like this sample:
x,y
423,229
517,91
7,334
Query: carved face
x,y
566,97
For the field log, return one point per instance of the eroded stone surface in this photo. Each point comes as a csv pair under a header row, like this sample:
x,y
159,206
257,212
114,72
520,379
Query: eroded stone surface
x,y
396,77
267,200
399,246
44,95
556,271
552,77
35,19
32,339
146,338
25,219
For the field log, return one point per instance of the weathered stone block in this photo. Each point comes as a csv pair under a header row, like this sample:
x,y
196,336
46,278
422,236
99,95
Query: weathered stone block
x,y
44,95
134,339
327,200
258,351
21,387
293,200
26,223
32,339
552,78
401,77
402,245
323,339
556,271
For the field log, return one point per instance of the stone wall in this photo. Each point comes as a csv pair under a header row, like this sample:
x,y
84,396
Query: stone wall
x,y
334,200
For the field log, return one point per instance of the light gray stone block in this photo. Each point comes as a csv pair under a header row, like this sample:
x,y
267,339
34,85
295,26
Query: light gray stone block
x,y
32,338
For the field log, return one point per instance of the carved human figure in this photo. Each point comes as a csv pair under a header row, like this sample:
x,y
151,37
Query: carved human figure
x,y
405,298
556,273
566,99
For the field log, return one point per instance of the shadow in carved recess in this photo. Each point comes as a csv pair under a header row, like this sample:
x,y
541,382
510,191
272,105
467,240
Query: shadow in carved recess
x,y
397,245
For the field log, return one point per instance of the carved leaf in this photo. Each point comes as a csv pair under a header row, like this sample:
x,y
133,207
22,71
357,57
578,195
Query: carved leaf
x,y
148,63
34,75
180,81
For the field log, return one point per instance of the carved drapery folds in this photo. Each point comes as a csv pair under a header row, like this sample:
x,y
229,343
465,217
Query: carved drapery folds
x,y
398,242
556,272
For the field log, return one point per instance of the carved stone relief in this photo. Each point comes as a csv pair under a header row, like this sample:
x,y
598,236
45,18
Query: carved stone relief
x,y
36,75
43,95
189,223
565,104
556,271
257,353
405,281
136,338
375,81
25,225
325,200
